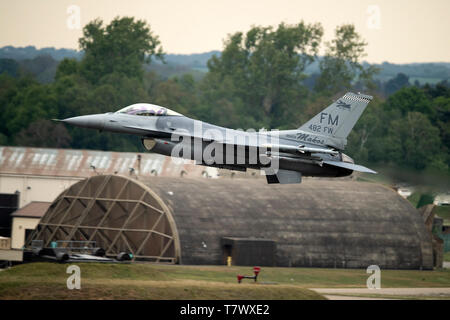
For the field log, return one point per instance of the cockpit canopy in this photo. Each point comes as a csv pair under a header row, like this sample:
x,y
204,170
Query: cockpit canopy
x,y
146,109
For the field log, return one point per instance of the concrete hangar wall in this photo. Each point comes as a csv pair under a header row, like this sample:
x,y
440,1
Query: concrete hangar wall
x,y
320,223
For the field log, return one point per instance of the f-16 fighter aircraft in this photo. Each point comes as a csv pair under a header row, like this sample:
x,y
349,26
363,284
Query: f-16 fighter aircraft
x,y
314,149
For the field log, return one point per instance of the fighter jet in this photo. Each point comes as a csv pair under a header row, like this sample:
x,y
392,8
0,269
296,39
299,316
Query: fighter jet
x,y
284,156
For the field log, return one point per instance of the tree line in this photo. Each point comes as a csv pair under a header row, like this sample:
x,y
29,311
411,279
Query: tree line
x,y
258,81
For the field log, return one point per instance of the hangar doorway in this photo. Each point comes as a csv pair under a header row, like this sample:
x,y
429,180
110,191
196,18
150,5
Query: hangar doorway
x,y
249,251
118,214
8,204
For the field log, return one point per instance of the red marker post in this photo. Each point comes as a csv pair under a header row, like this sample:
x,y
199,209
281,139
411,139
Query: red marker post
x,y
256,271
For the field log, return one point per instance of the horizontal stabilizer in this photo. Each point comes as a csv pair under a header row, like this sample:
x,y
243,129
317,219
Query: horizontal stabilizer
x,y
284,177
350,166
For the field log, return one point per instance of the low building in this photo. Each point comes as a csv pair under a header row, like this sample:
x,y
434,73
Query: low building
x,y
24,221
442,199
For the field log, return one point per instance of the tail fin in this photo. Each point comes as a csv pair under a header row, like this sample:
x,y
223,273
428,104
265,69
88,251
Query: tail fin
x,y
338,119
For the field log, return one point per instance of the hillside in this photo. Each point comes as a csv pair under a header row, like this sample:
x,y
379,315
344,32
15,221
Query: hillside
x,y
196,63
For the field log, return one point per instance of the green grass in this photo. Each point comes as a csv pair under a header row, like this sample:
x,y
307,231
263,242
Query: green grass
x,y
447,256
414,198
150,281
138,281
442,211
312,277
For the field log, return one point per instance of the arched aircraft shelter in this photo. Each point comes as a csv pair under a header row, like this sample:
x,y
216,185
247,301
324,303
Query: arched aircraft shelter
x,y
319,223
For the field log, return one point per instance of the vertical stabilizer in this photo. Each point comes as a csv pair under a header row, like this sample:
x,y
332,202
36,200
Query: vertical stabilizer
x,y
338,119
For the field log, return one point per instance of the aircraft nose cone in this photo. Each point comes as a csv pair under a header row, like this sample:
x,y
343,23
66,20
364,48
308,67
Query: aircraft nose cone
x,y
94,121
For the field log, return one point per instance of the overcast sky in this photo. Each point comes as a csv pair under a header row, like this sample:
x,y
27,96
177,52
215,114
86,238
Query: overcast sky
x,y
398,31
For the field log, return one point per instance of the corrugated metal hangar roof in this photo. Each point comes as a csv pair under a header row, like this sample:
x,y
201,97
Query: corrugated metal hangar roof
x,y
84,163
320,223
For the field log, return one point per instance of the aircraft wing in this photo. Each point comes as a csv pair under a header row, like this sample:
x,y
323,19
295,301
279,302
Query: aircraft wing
x,y
350,166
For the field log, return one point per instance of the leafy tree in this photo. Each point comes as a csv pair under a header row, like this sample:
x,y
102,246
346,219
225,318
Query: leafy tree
x,y
441,89
109,77
9,66
442,120
115,91
67,67
33,102
364,139
174,94
43,133
72,94
342,62
264,69
410,99
413,141
221,106
408,130
3,139
42,67
8,89
122,47
395,84
425,199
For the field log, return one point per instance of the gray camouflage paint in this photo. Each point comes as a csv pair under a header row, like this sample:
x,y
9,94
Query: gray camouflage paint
x,y
314,149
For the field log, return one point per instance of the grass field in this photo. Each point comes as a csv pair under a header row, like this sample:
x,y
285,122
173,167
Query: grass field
x,y
447,256
442,211
149,281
